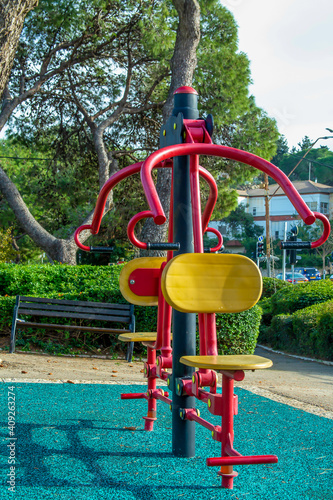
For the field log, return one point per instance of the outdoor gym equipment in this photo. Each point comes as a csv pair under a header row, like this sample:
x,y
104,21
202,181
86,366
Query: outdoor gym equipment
x,y
189,282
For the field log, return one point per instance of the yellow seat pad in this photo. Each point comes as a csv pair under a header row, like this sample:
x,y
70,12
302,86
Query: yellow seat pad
x,y
132,265
229,362
207,283
138,337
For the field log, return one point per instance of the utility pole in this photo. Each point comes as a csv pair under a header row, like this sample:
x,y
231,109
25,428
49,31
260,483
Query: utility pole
x,y
268,247
284,253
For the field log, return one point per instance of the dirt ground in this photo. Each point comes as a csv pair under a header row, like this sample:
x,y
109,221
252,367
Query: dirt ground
x,y
303,384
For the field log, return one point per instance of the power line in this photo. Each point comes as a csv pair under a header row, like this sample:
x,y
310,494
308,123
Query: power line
x,y
316,161
19,158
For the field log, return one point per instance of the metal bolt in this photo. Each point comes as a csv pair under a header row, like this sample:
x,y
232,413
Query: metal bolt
x,y
174,126
209,403
164,132
193,379
132,282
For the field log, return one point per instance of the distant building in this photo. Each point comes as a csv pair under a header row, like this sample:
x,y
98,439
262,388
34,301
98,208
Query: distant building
x,y
234,246
318,197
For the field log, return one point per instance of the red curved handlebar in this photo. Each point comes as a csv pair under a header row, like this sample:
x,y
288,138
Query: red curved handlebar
x,y
224,152
219,238
130,229
76,237
326,232
101,201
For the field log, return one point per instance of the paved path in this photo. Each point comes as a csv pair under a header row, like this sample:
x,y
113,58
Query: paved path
x,y
300,383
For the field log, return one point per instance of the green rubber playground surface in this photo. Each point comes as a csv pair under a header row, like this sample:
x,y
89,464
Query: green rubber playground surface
x,y
72,444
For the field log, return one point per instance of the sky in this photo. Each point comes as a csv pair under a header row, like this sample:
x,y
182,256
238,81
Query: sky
x,y
290,47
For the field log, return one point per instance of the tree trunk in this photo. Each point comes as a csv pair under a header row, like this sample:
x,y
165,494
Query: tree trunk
x,y
183,64
57,249
12,15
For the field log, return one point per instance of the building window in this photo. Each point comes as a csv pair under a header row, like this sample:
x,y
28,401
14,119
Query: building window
x,y
312,205
254,211
324,208
276,235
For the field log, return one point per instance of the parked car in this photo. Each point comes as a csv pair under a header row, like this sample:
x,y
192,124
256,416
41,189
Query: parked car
x,y
298,278
309,272
331,277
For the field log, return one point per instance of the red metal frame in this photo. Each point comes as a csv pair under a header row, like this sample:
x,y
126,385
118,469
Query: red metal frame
x,y
225,405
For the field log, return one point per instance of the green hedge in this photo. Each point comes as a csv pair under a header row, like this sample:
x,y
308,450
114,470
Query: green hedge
x,y
237,333
291,299
271,286
100,282
307,332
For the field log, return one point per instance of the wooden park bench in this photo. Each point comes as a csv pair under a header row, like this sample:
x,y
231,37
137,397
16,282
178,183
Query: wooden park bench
x,y
75,309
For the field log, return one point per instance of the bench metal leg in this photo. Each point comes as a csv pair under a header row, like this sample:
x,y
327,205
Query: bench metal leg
x,y
129,354
13,330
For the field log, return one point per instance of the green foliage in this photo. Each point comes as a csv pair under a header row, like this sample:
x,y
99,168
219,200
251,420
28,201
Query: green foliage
x,y
290,299
299,319
307,332
321,160
313,329
237,333
7,253
100,284
279,333
271,286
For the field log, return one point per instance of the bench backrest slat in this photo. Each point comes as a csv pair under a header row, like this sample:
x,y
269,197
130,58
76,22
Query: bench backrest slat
x,y
64,314
28,308
83,303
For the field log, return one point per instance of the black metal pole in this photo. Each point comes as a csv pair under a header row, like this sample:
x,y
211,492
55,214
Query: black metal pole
x,y
184,324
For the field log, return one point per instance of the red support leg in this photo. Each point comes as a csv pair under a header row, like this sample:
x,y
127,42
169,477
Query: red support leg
x,y
227,431
151,415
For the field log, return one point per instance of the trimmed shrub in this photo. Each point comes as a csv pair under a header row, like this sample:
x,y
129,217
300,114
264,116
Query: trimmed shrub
x,y
279,334
41,280
271,286
313,330
291,299
237,333
307,332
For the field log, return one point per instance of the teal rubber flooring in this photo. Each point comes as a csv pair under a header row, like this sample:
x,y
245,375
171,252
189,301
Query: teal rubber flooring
x,y
70,442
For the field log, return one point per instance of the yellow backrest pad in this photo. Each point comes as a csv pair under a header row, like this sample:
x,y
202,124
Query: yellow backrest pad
x,y
128,294
207,283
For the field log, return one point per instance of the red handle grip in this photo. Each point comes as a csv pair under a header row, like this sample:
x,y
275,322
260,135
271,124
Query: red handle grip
x,y
130,229
219,237
326,232
76,237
